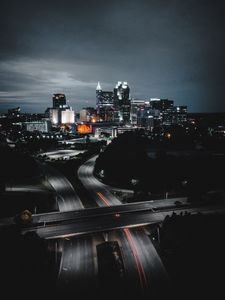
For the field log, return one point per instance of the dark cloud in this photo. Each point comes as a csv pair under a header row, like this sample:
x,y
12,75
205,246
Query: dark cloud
x,y
163,48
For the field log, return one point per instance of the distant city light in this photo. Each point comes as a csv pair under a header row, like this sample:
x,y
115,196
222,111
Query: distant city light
x,y
84,128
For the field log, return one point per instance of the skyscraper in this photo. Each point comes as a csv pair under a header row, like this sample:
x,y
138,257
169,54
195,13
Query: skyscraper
x,y
104,104
98,94
169,113
136,107
161,104
60,113
59,100
122,102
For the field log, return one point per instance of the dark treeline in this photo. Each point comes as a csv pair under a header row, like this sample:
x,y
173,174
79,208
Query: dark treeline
x,y
175,164
16,164
192,249
27,266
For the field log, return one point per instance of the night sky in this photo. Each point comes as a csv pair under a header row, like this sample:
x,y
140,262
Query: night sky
x,y
163,48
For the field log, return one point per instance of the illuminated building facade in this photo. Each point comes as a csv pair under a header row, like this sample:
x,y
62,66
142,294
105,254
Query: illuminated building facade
x,y
114,106
60,113
104,104
67,116
161,104
58,100
169,114
137,106
181,114
88,114
84,115
147,117
54,115
118,107
42,126
122,103
157,112
84,128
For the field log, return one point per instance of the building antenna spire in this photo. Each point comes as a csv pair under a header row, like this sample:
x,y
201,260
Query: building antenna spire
x,y
98,88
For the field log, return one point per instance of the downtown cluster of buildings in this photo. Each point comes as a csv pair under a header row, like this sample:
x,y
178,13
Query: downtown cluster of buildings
x,y
117,106
114,109
114,113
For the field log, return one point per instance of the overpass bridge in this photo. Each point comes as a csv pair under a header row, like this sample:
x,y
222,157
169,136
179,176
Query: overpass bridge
x,y
100,219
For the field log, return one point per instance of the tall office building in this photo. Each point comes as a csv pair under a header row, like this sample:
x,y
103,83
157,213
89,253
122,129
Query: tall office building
x,y
118,107
98,94
181,114
136,107
122,103
59,100
104,104
169,114
147,117
161,104
60,113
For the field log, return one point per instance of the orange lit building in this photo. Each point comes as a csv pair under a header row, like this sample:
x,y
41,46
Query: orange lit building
x,y
84,128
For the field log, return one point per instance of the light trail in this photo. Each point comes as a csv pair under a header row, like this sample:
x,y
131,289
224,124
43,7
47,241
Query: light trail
x,y
140,268
103,199
141,271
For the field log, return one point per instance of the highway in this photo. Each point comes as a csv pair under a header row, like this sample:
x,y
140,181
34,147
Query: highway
x,y
53,180
139,253
66,196
82,224
77,258
78,267
149,206
76,262
98,191
143,266
20,187
77,232
64,153
102,194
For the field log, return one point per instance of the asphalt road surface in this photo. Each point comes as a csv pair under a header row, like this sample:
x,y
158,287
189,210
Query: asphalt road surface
x,y
98,191
66,196
106,222
78,267
65,153
142,262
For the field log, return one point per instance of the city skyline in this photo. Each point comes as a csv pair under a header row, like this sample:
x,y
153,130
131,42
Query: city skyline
x,y
166,50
